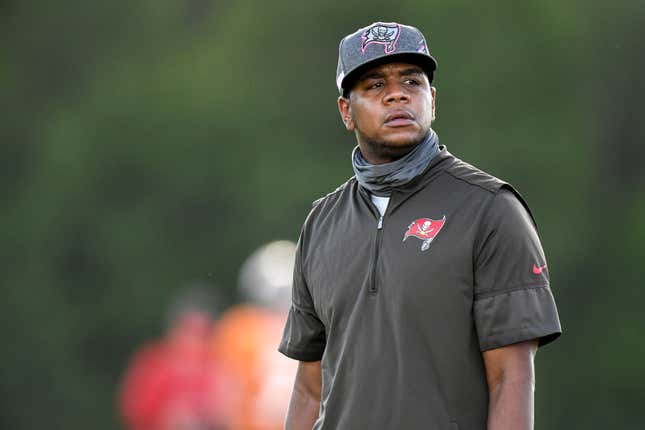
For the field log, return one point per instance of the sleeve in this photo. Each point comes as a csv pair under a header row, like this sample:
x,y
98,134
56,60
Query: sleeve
x,y
512,298
304,336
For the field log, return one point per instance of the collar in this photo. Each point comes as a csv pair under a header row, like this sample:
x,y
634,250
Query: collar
x,y
437,165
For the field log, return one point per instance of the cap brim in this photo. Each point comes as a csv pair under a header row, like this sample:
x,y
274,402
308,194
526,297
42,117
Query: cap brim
x,y
426,62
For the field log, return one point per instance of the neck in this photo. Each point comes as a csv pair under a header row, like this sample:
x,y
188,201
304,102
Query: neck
x,y
381,152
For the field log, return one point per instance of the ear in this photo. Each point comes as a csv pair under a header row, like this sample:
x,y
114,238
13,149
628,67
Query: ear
x,y
345,111
433,91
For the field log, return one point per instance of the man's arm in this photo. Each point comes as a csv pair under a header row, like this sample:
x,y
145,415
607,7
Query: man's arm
x,y
511,382
305,399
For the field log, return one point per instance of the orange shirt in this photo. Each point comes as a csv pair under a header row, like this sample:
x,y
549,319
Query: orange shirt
x,y
245,342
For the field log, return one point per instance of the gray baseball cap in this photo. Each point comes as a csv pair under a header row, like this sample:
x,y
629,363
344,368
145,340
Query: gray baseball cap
x,y
381,42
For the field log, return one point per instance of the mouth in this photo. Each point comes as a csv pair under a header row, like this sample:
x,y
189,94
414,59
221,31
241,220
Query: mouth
x,y
399,118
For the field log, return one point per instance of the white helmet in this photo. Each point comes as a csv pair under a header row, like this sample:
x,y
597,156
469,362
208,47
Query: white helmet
x,y
266,275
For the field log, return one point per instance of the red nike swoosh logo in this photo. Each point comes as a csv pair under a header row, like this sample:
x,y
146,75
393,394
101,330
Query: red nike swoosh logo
x,y
538,270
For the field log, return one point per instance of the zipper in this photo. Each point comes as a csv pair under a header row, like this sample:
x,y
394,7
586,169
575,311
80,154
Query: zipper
x,y
373,287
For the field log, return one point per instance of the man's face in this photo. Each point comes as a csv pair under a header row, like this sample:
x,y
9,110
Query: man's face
x,y
390,109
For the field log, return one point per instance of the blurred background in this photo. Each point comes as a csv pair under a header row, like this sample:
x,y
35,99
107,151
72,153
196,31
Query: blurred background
x,y
149,147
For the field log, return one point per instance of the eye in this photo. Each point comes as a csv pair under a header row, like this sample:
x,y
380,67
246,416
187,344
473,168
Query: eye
x,y
412,82
375,85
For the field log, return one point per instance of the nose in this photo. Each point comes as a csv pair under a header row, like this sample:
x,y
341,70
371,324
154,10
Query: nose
x,y
395,94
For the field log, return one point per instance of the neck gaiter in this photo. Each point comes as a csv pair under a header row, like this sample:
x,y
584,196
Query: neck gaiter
x,y
381,179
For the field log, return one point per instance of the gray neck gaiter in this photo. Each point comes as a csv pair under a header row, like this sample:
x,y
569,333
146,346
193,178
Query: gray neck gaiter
x,y
381,179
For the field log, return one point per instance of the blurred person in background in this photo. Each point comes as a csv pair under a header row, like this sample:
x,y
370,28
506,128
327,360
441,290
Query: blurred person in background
x,y
245,339
172,383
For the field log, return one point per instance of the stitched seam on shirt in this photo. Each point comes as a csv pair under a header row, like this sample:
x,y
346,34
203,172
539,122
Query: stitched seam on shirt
x,y
521,287
518,330
469,183
496,334
478,246
333,193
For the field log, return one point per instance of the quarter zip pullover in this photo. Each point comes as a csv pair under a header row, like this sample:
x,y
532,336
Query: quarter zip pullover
x,y
400,306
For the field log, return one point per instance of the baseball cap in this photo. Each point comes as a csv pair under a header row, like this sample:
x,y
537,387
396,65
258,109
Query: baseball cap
x,y
381,42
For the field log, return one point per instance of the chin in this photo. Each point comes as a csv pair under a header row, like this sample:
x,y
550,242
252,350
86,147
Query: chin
x,y
403,139
392,143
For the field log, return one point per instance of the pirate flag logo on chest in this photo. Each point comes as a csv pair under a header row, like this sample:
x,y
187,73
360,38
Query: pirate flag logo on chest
x,y
382,34
425,229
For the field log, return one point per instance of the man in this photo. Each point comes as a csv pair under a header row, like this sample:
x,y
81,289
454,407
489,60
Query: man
x,y
421,291
244,338
172,383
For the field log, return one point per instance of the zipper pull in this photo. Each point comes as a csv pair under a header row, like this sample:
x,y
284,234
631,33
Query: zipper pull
x,y
380,223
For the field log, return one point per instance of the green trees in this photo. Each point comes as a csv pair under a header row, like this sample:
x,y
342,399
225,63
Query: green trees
x,y
147,145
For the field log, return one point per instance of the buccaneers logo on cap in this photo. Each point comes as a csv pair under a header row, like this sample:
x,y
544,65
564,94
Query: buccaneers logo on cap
x,y
382,34
425,229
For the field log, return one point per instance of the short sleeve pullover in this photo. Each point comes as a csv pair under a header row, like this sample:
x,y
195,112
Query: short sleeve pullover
x,y
513,300
401,305
304,334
